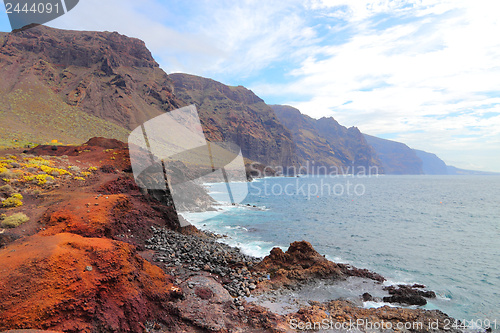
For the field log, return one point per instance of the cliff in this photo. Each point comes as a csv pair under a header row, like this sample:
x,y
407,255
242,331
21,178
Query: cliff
x,y
73,85
431,164
325,143
237,115
396,157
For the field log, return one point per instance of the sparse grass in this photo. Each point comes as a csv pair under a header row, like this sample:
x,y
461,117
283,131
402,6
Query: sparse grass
x,y
41,115
74,168
6,189
15,220
7,174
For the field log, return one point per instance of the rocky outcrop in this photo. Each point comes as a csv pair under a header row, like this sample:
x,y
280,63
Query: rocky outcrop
x,y
237,115
397,158
343,316
411,295
300,263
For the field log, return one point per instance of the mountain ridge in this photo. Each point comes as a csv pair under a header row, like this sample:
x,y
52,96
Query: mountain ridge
x,y
74,85
325,146
237,115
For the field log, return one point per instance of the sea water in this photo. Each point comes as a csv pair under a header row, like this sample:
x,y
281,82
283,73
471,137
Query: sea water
x,y
440,231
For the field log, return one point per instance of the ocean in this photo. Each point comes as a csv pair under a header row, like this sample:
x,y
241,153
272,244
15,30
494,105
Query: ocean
x,y
440,231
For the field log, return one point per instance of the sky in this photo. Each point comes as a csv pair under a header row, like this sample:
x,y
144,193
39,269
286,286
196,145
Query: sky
x,y
422,72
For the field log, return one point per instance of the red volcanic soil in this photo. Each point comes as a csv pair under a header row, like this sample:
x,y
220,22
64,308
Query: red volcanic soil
x,y
78,274
70,283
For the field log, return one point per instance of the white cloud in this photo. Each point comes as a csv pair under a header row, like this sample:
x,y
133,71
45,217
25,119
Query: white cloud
x,y
444,59
398,65
225,38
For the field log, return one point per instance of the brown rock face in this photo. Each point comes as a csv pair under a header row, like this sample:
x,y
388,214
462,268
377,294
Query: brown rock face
x,y
342,316
324,146
73,85
236,114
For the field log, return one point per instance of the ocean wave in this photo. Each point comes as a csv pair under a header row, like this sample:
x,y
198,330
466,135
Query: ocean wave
x,y
376,305
258,249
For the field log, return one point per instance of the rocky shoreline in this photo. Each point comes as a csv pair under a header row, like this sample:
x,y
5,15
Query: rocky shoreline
x,y
183,255
273,283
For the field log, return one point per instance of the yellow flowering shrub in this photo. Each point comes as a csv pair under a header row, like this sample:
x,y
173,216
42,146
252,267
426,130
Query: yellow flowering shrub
x,y
28,178
49,170
15,220
14,200
42,179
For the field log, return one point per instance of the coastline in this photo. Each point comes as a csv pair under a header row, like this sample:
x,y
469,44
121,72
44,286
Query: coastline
x,y
272,287
378,303
99,254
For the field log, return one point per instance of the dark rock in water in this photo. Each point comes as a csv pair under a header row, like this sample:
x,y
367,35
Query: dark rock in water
x,y
367,297
360,272
406,299
420,286
411,295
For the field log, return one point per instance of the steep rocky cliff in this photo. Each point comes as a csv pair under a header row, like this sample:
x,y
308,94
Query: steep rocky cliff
x,y
72,85
324,143
236,114
431,164
396,157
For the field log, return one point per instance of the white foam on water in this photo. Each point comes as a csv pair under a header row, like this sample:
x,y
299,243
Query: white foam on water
x,y
376,305
258,249
336,259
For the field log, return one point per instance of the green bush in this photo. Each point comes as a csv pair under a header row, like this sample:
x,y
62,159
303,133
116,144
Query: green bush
x,y
15,220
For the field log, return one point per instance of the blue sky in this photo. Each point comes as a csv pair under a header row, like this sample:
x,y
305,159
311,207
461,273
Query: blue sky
x,y
423,72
